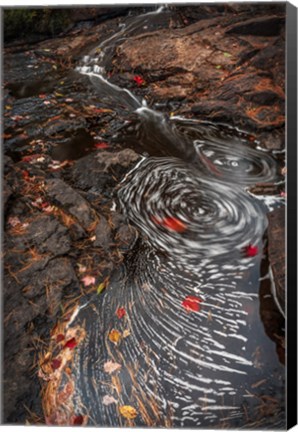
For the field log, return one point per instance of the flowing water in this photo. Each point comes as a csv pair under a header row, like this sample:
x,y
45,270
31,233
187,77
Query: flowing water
x,y
213,367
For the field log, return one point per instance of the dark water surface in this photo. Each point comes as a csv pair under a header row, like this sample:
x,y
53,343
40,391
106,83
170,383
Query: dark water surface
x,y
214,367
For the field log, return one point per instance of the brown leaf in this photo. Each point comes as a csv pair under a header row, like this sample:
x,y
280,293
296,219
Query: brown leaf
x,y
111,366
108,400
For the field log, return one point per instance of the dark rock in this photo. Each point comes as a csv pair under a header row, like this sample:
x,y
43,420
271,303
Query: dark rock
x,y
126,236
102,164
263,97
48,236
6,193
276,248
263,26
269,57
103,234
274,140
70,200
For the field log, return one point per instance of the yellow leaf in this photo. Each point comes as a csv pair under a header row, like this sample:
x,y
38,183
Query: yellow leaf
x,y
126,333
128,411
59,94
101,287
114,336
8,107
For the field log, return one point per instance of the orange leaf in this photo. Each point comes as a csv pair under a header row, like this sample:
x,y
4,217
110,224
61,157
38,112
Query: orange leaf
x,y
170,223
128,411
114,336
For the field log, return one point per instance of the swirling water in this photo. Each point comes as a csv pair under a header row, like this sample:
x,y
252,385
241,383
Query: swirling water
x,y
213,367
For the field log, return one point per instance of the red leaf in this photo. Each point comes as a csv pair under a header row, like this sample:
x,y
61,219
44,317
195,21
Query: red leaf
x,y
120,312
78,420
71,343
42,96
26,175
170,223
138,80
56,363
251,251
192,303
60,337
101,145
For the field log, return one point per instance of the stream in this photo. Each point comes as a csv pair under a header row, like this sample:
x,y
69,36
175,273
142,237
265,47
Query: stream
x,y
193,350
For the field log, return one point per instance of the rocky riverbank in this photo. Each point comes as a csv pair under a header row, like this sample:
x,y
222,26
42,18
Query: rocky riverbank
x,y
62,161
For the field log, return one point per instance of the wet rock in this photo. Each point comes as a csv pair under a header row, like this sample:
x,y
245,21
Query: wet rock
x,y
124,158
267,97
48,236
264,26
6,193
70,200
103,234
276,248
126,236
102,164
274,140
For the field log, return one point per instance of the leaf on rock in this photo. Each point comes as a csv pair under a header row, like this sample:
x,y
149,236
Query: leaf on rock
x,y
120,312
114,336
110,366
108,400
226,54
192,303
14,221
138,80
101,145
88,280
128,411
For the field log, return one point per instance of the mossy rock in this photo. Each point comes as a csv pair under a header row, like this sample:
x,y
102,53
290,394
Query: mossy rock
x,y
25,22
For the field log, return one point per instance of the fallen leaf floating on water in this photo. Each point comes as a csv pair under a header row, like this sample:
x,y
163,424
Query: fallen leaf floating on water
x,y
56,363
71,343
128,412
251,251
110,366
192,304
138,80
108,400
101,287
114,336
78,420
120,312
170,223
88,280
126,333
101,145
